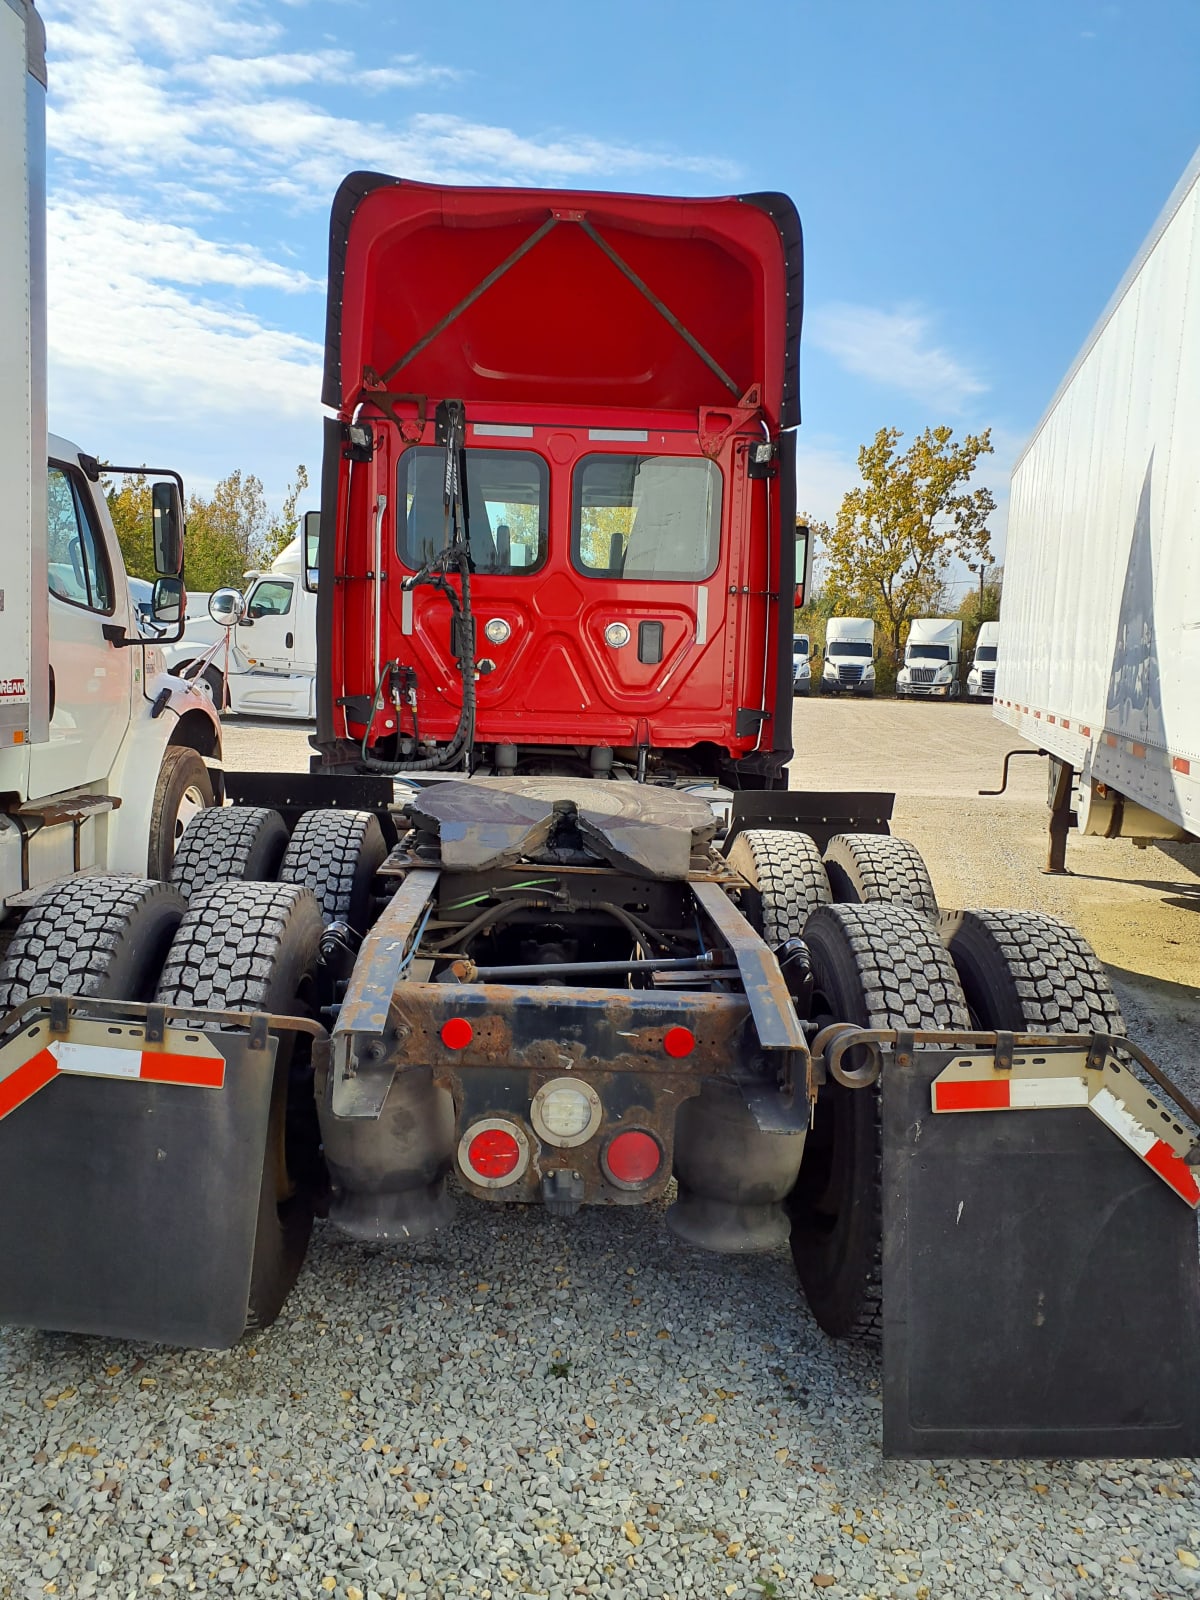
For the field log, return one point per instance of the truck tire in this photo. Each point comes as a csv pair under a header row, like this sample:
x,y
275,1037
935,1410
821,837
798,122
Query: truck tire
x,y
244,842
880,966
183,790
1027,972
869,868
336,854
253,947
788,881
102,936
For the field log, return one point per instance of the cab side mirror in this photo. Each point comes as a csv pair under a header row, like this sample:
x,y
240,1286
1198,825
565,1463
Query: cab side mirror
x,y
166,605
167,505
226,607
312,549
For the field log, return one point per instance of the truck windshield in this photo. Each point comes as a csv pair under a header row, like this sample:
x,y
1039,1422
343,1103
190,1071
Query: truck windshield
x,y
848,647
507,495
986,652
928,652
799,647
648,517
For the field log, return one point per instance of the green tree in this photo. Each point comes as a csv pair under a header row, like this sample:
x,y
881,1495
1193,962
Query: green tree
x,y
129,507
897,533
973,613
284,528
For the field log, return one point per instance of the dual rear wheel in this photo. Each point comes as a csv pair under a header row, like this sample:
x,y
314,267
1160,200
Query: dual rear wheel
x,y
883,958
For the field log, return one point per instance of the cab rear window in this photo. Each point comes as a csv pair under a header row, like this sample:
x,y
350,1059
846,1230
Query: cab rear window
x,y
657,518
507,496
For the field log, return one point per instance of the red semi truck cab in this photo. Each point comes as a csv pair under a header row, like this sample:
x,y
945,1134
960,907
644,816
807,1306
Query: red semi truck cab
x,y
622,371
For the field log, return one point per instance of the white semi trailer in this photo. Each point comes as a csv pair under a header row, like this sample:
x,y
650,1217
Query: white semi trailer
x,y
1100,637
104,758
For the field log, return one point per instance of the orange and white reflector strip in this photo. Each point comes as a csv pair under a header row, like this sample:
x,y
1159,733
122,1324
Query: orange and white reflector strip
x,y
101,1050
1053,1081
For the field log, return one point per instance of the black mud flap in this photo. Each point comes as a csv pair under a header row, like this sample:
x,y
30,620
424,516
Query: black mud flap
x,y
130,1207
1041,1289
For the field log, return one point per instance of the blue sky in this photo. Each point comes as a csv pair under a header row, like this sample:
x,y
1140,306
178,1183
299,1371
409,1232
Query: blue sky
x,y
973,180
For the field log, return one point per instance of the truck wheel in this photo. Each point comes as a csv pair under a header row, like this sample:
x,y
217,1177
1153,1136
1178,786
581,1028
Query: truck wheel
x,y
336,854
103,936
183,790
880,966
787,877
1027,972
865,868
253,947
229,842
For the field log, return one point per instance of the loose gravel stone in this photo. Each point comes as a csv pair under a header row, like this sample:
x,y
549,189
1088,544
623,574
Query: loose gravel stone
x,y
398,1435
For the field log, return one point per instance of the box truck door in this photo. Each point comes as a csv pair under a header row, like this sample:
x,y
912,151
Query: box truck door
x,y
90,678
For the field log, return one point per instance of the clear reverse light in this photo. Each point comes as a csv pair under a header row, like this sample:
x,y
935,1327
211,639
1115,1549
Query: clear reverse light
x,y
497,630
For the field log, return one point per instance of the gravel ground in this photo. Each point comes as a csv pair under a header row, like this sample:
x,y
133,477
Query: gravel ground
x,y
551,1408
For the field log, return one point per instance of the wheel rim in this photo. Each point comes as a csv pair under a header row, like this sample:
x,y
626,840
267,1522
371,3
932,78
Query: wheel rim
x,y
191,801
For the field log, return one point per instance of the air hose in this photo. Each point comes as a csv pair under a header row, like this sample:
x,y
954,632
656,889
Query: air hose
x,y
452,427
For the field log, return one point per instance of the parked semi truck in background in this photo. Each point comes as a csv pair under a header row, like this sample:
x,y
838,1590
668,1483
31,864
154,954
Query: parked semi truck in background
x,y
801,664
849,666
1100,633
981,679
572,934
270,665
931,659
103,758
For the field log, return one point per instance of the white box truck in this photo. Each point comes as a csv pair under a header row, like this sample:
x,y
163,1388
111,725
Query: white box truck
x,y
265,664
104,758
981,679
1100,635
931,660
849,656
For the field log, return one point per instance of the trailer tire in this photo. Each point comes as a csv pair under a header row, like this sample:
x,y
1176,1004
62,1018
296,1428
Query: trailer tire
x,y
254,947
336,854
787,877
101,936
1024,971
245,842
880,966
183,790
872,868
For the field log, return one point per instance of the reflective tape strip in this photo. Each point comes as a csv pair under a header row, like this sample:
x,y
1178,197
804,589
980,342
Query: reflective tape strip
x,y
26,1080
1033,1083
1009,1094
198,1066
1115,1114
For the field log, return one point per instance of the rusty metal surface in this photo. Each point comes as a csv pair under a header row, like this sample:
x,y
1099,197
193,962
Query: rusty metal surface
x,y
775,1018
59,1008
644,829
358,1046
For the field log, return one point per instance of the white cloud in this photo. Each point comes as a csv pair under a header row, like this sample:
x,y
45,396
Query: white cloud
x,y
895,350
171,124
122,327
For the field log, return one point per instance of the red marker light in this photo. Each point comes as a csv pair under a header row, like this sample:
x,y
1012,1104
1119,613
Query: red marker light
x,y
457,1033
493,1153
679,1042
632,1158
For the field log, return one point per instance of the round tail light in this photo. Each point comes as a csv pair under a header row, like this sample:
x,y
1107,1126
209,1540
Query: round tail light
x,y
631,1159
493,1152
679,1042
